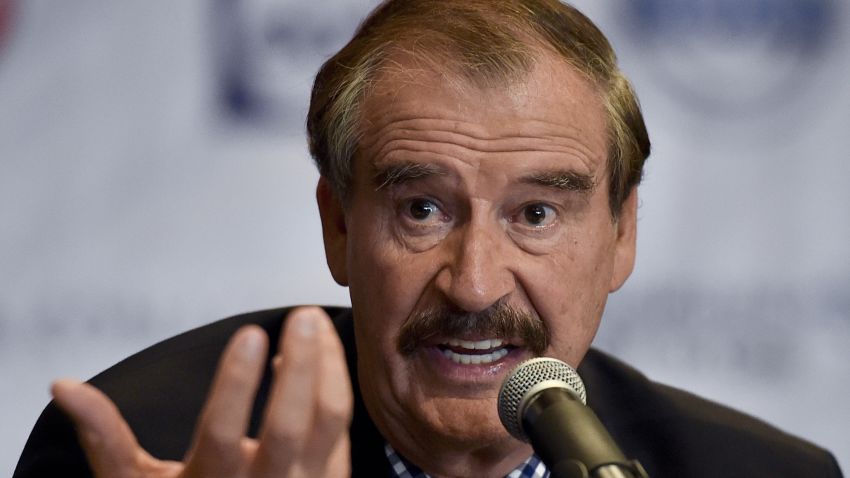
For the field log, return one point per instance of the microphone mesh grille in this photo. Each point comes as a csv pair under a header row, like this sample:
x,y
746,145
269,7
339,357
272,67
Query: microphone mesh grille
x,y
524,377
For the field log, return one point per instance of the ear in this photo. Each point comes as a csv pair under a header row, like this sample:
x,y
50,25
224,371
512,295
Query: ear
x,y
625,246
334,231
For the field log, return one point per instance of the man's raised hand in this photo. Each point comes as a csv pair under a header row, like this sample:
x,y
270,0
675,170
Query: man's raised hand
x,y
304,432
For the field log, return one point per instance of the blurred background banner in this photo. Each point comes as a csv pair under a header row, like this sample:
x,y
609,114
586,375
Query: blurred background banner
x,y
735,58
154,176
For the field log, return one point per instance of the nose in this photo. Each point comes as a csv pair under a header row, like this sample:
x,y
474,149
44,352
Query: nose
x,y
477,273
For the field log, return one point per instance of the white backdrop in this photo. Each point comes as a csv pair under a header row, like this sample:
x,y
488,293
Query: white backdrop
x,y
154,177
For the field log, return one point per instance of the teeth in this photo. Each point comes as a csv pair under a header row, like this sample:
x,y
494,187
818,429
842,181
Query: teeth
x,y
479,345
474,359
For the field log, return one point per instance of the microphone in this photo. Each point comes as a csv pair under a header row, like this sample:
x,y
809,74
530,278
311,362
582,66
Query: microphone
x,y
542,402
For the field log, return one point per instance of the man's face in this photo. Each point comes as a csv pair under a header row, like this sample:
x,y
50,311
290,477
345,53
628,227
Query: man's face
x,y
464,199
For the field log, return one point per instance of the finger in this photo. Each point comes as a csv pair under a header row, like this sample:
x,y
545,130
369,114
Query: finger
x,y
224,420
332,415
339,462
288,415
108,442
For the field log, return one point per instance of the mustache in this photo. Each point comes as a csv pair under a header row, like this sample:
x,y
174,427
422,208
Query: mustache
x,y
498,320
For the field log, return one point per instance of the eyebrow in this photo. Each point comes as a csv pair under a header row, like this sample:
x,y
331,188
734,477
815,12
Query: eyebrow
x,y
562,180
399,173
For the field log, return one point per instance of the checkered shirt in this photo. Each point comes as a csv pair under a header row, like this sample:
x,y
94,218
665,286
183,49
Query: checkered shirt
x,y
401,468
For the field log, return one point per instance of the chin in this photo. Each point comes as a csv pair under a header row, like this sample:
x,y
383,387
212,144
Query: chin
x,y
464,423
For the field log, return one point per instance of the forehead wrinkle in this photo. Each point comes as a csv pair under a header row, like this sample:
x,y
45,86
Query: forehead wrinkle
x,y
420,121
453,150
450,141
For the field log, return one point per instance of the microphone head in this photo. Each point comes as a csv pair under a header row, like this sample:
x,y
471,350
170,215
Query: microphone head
x,y
528,379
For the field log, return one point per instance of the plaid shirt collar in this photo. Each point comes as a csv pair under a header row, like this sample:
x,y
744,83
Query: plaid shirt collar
x,y
401,468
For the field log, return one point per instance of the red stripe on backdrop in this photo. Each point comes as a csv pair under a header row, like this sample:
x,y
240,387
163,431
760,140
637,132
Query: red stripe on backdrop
x,y
6,7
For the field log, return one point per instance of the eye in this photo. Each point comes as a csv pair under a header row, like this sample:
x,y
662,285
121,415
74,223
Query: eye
x,y
537,215
423,213
422,209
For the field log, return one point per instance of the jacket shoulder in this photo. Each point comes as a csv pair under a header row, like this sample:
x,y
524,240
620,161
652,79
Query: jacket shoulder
x,y
676,433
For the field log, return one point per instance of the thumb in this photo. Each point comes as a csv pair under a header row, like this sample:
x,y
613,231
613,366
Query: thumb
x,y
108,442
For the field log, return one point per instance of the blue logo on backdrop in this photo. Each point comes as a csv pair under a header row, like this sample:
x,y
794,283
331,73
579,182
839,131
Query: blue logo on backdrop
x,y
267,52
735,56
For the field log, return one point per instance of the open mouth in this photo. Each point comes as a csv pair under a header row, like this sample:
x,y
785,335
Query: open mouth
x,y
475,352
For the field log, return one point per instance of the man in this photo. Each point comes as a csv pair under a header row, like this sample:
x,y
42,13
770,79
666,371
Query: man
x,y
479,163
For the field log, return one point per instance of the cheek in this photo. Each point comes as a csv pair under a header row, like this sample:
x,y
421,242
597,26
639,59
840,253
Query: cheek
x,y
569,290
578,268
386,281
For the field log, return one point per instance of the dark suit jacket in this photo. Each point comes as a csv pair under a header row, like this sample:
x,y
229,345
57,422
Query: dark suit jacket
x,y
672,433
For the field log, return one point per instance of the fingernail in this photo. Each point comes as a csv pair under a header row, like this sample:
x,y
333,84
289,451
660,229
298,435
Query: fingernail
x,y
250,344
306,323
